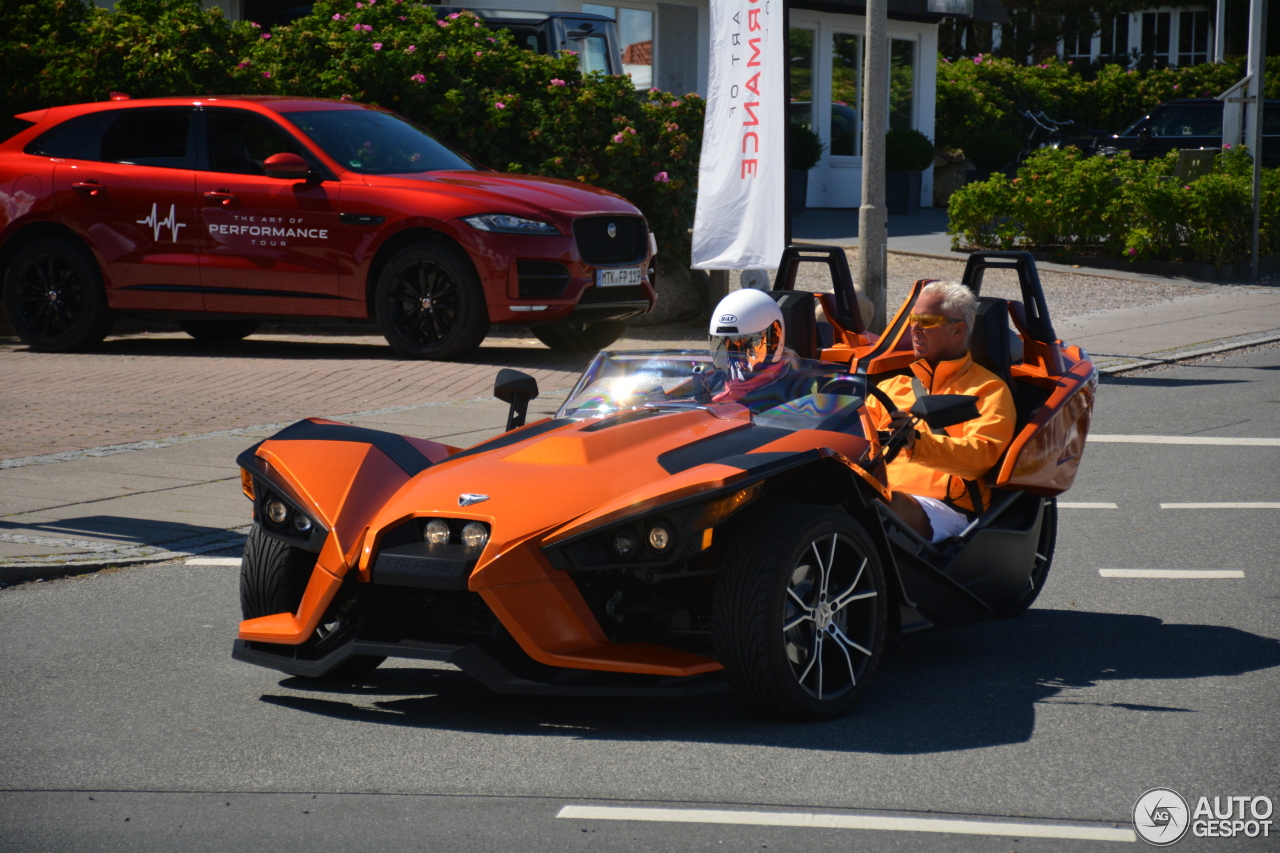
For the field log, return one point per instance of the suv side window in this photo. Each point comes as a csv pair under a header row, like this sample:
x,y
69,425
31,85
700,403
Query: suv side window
x,y
239,142
1185,120
150,138
79,138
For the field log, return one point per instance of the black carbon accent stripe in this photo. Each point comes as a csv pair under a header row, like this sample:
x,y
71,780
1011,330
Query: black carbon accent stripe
x,y
514,437
230,291
393,446
719,447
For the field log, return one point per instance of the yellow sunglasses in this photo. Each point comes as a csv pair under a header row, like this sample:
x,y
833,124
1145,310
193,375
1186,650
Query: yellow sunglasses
x,y
929,321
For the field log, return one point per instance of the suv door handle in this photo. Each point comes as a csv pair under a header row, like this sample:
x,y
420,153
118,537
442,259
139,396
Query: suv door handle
x,y
224,197
91,187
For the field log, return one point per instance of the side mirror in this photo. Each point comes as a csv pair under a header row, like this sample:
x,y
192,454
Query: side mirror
x,y
286,165
518,389
943,410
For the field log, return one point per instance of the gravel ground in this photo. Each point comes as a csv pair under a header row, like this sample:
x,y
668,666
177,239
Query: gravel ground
x,y
1068,294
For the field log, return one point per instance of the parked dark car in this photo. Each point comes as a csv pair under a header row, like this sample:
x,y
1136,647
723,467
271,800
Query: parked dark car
x,y
1191,123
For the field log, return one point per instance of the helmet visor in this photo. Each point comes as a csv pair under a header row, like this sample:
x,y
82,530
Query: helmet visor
x,y
744,352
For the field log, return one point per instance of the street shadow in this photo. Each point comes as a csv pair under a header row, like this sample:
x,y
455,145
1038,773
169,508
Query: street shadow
x,y
1163,382
117,529
963,689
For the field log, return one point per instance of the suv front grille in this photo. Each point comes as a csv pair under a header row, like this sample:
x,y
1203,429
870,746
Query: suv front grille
x,y
597,247
539,279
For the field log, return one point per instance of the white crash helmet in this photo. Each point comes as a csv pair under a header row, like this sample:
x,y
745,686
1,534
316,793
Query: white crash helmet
x,y
746,332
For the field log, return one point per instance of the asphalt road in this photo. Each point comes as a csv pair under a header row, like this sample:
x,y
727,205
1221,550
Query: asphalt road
x,y
125,725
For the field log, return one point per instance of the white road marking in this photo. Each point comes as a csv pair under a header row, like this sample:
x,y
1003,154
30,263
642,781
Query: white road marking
x,y
1086,505
214,561
1188,439
1171,573
1227,505
849,821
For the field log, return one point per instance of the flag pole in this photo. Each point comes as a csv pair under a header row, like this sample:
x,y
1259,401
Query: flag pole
x,y
786,118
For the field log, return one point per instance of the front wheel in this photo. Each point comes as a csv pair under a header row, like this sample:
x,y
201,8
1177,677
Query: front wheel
x,y
430,304
1045,546
800,613
54,297
576,336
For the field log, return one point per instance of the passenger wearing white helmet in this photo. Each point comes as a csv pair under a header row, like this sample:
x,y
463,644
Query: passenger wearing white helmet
x,y
748,338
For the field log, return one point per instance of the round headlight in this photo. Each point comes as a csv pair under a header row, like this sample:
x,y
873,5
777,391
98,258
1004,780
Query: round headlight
x,y
276,510
624,544
659,537
301,523
436,532
475,534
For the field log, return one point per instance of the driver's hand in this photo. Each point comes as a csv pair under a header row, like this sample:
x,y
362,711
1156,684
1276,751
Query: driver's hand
x,y
903,421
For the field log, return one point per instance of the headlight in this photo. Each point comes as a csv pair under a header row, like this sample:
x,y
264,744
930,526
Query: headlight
x,y
659,537
624,544
436,532
475,534
276,511
301,523
502,223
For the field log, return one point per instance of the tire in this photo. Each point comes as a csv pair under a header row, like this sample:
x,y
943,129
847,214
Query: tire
x,y
273,575
220,331
1044,561
54,296
429,303
789,654
574,336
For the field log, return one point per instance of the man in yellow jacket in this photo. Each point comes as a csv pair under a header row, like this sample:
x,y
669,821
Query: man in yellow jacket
x,y
936,477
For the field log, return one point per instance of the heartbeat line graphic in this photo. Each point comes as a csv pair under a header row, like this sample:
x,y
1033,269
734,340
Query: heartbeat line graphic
x,y
171,222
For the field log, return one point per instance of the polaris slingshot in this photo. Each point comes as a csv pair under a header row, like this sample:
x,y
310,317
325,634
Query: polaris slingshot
x,y
649,540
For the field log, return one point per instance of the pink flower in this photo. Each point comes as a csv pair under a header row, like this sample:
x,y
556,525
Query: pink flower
x,y
442,23
495,41
662,178
367,28
402,17
556,81
631,130
266,73
345,98
266,35
479,53
477,23
945,60
499,106
377,45
439,56
675,103
418,78
1226,145
1133,252
569,52
1176,87
654,89
359,5
255,25
617,138
244,64
1187,187
1071,62
453,15
411,48
338,17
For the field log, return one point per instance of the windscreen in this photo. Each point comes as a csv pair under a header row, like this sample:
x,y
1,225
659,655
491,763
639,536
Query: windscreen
x,y
376,143
795,394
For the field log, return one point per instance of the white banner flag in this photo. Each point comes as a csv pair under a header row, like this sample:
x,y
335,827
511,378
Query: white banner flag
x,y
740,218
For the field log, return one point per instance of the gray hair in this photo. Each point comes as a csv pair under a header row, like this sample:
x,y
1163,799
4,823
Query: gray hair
x,y
956,299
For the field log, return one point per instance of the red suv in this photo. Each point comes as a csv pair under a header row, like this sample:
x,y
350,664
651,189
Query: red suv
x,y
221,212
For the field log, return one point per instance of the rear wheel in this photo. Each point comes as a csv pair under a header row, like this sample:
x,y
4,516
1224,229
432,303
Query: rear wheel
x,y
576,336
219,331
54,297
430,304
1044,560
799,616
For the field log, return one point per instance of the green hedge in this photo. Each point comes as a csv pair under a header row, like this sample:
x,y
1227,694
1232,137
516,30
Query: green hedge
x,y
979,98
1065,202
504,106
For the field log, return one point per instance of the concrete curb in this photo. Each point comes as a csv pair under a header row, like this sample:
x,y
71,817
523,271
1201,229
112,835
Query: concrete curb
x,y
49,568
1110,365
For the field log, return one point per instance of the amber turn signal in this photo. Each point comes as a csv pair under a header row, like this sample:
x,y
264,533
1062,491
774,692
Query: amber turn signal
x,y
718,510
246,483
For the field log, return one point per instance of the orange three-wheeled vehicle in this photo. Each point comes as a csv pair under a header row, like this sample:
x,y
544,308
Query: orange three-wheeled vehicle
x,y
654,539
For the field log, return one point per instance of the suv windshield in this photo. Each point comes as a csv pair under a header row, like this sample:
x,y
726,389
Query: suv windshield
x,y
794,395
376,143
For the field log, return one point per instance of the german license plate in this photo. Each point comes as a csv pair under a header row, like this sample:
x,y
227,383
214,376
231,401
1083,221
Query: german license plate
x,y
618,278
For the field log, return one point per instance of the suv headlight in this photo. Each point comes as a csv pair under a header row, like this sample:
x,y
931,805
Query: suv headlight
x,y
503,223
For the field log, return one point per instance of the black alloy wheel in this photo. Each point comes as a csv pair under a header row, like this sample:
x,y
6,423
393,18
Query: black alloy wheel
x,y
1045,546
54,297
800,612
576,336
430,304
219,331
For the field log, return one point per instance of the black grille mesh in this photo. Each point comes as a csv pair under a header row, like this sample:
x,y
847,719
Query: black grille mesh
x,y
597,247
428,613
541,278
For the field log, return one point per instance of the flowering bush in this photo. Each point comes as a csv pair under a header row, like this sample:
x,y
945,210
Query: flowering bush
x,y
503,106
1064,202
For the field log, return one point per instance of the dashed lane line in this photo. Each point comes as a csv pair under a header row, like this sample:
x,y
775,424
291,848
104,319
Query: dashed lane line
x,y
213,561
1171,573
1224,505
1221,440
809,820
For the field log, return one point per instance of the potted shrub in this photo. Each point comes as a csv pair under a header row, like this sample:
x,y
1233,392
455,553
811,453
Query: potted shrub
x,y
907,154
806,150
